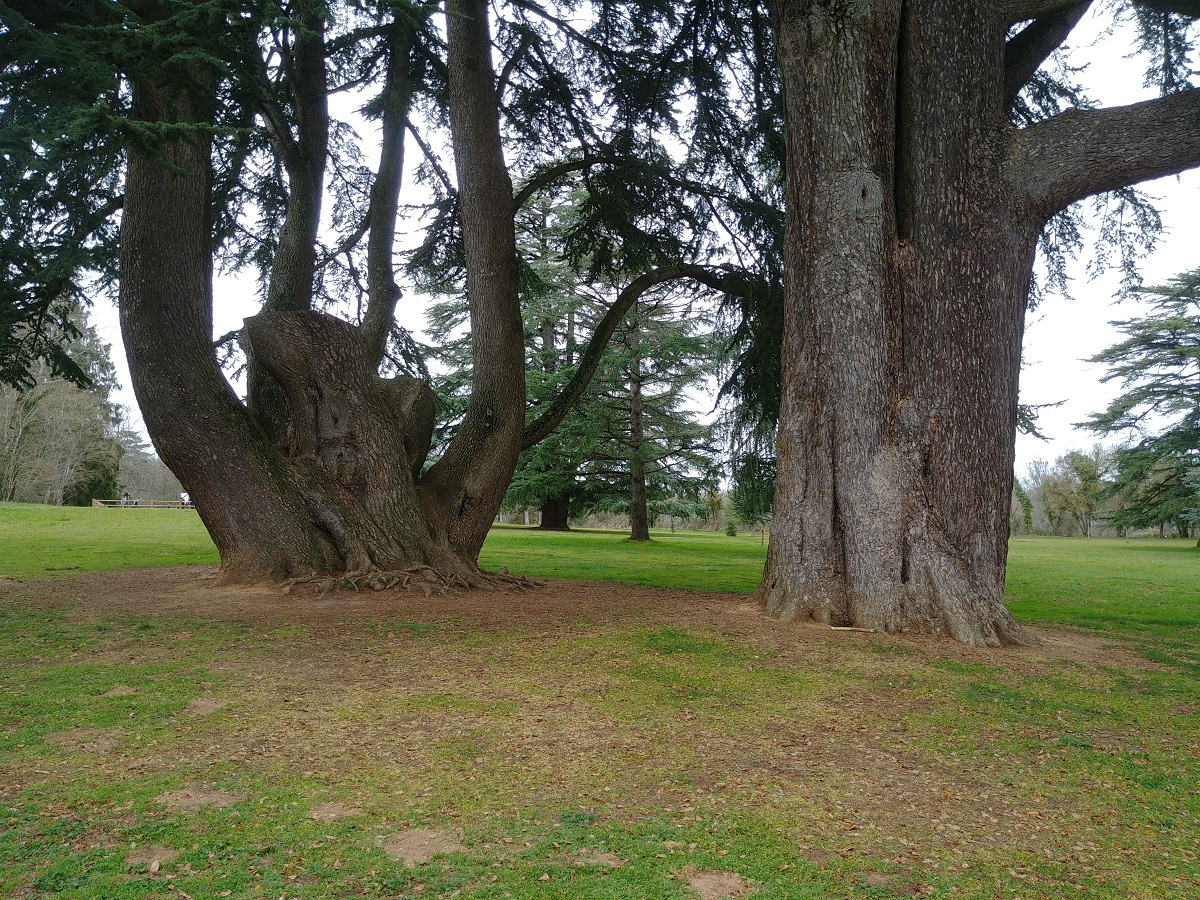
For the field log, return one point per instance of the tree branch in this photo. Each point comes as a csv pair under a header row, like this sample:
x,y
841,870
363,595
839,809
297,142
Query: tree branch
x,y
553,173
502,79
384,206
1026,51
90,223
562,25
293,268
1085,152
543,425
432,159
350,242
1024,10
1188,8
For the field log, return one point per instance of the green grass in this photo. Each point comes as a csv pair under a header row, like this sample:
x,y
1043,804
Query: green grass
x,y
686,560
1140,586
46,540
1143,586
853,766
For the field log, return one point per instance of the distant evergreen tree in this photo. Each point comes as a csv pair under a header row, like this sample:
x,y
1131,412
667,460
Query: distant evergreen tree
x,y
1158,365
753,490
647,454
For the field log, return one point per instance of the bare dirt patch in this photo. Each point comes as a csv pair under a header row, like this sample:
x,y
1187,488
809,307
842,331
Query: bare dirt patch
x,y
876,879
418,846
600,858
205,706
153,858
552,698
198,797
121,690
90,740
715,885
193,592
328,812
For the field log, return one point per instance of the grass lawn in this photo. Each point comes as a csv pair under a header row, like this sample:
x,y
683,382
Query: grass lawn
x,y
662,753
687,560
47,540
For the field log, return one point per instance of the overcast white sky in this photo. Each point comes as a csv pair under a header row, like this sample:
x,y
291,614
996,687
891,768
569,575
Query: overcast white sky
x,y
1061,334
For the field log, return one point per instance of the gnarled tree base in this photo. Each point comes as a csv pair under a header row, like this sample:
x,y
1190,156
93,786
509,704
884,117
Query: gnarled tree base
x,y
952,610
423,578
932,592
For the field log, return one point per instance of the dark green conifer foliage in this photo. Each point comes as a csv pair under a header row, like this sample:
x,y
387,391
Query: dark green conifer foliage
x,y
1158,366
60,151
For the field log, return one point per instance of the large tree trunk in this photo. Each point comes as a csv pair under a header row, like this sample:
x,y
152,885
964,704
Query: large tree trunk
x,y
325,475
554,514
907,276
254,514
914,208
639,517
471,478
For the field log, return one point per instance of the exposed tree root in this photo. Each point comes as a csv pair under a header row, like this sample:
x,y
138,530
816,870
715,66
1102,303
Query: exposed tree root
x,y
424,578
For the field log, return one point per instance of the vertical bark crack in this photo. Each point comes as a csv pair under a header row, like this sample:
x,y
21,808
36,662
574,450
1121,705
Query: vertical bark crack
x,y
900,187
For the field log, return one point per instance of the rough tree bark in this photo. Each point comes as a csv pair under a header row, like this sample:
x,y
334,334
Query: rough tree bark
x,y
199,428
914,208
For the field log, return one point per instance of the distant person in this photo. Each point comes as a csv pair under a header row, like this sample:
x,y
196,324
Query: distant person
x,y
125,498
187,501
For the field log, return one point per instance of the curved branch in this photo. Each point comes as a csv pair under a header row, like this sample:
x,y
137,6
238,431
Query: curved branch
x,y
553,173
543,425
502,79
1085,152
1027,50
562,25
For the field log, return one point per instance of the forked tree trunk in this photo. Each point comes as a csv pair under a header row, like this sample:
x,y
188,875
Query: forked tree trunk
x,y
325,478
908,271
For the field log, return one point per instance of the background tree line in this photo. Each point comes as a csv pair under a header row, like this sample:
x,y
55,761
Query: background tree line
x,y
1151,479
66,443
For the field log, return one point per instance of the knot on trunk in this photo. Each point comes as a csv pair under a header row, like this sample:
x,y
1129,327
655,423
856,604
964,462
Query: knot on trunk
x,y
342,417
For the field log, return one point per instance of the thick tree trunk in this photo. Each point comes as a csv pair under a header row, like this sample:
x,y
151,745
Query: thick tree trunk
x,y
554,514
639,518
908,271
255,515
472,476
